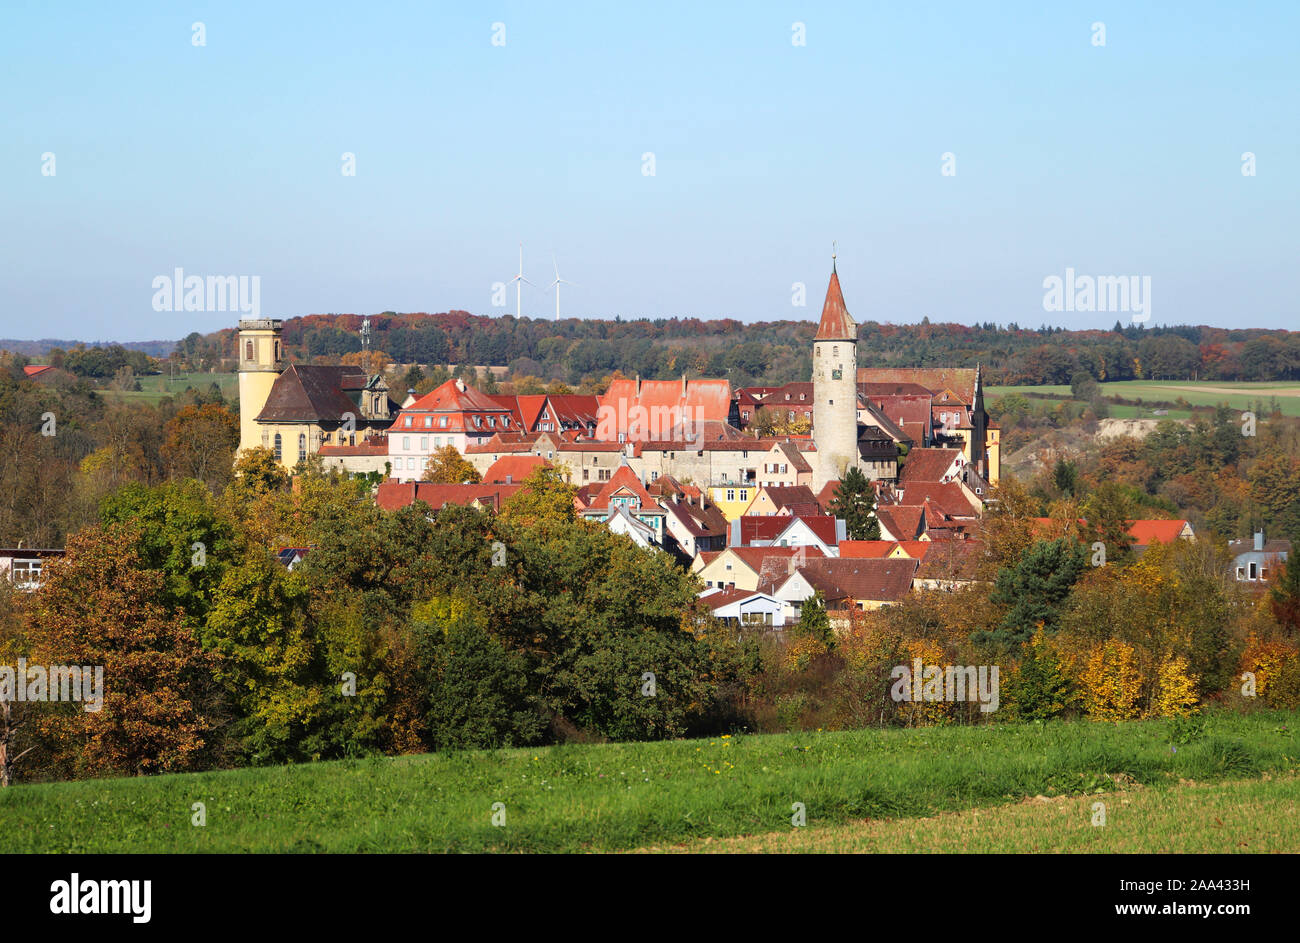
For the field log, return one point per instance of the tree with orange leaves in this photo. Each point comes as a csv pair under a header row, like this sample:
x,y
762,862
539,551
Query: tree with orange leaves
x,y
99,607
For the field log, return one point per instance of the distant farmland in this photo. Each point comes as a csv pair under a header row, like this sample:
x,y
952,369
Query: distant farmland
x,y
154,389
1238,396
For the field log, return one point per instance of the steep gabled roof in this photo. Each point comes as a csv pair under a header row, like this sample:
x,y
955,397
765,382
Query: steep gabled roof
x,y
836,323
927,465
859,579
1146,532
951,560
456,396
948,499
623,479
904,522
306,393
822,527
574,408
789,496
751,527
512,469
698,521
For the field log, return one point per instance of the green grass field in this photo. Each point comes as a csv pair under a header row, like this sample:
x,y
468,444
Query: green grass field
x,y
154,389
1198,393
1259,816
630,796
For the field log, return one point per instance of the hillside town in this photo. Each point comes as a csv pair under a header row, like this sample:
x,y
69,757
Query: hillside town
x,y
682,467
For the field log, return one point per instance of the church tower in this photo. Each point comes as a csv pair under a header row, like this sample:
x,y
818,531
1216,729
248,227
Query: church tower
x,y
259,366
835,388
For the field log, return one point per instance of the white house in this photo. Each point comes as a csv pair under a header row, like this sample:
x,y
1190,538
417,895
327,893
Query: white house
x,y
749,609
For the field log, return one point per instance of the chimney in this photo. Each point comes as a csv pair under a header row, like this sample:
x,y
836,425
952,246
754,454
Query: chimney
x,y
1259,540
460,385
683,386
638,385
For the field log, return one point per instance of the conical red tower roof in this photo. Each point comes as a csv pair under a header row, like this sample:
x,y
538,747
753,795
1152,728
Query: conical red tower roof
x,y
836,323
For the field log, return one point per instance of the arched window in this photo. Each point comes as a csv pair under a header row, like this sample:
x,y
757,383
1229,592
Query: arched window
x,y
248,350
278,448
302,445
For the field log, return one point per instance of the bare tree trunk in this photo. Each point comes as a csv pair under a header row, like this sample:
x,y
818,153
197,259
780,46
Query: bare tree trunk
x,y
7,730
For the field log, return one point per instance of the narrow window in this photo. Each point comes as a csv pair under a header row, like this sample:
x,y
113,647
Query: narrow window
x,y
278,452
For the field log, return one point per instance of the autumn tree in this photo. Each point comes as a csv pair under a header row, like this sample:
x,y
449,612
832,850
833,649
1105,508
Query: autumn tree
x,y
545,498
256,472
446,466
1284,596
200,442
1107,512
100,606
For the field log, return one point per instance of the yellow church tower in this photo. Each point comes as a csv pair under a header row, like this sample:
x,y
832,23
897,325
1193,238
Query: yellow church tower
x,y
259,366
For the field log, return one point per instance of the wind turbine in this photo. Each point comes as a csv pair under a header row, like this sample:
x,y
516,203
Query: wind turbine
x,y
518,279
556,285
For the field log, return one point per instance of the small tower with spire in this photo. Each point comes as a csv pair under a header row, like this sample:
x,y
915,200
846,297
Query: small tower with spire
x,y
979,421
835,387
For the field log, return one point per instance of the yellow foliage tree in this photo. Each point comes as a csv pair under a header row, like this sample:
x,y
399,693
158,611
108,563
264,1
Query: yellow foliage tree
x,y
925,712
1111,682
1266,660
1176,688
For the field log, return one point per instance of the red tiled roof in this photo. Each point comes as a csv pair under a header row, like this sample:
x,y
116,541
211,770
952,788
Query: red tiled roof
x,y
860,579
512,469
786,496
623,479
927,465
36,369
836,324
866,549
663,404
398,494
757,527
822,526
376,445
575,408
903,521
961,380
753,557
1145,532
951,560
948,499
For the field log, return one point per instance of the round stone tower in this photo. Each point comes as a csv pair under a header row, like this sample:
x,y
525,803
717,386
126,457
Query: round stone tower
x,y
835,388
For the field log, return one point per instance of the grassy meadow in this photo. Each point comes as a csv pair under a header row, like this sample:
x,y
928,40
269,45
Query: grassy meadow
x,y
614,797
154,389
1258,816
1195,392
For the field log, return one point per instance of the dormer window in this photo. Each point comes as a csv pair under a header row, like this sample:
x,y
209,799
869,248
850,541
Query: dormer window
x,y
442,422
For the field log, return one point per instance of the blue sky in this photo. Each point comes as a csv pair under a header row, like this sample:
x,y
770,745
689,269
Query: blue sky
x,y
226,159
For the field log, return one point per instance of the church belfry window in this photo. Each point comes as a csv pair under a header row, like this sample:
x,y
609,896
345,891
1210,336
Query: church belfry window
x,y
278,447
248,350
302,445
